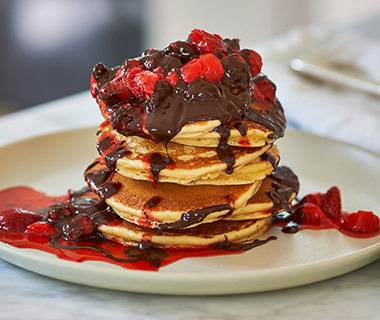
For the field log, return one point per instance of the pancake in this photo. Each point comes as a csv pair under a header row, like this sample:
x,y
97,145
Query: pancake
x,y
192,165
195,134
168,205
203,235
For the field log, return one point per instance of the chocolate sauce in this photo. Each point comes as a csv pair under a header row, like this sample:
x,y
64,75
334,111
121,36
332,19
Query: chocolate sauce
x,y
172,105
119,152
192,217
99,182
224,151
157,162
242,128
243,246
266,156
286,185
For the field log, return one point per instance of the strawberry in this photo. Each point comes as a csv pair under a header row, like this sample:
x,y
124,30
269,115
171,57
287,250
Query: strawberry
x,y
78,228
40,229
145,81
172,77
361,221
15,221
127,79
331,203
206,66
253,59
312,212
315,198
207,42
257,94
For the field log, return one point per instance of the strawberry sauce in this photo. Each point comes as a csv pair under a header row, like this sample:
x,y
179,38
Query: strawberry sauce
x,y
70,242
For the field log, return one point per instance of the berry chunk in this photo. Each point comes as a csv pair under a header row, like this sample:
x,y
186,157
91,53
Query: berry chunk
x,y
146,80
332,203
312,212
253,59
207,42
15,221
114,90
40,229
315,198
207,66
78,228
361,221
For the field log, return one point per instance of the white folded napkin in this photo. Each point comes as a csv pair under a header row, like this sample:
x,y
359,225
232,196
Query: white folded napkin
x,y
323,109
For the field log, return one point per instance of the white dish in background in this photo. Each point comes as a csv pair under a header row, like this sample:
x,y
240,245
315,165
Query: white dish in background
x,y
55,163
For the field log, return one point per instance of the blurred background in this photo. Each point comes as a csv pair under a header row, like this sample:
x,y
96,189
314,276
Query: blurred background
x,y
48,47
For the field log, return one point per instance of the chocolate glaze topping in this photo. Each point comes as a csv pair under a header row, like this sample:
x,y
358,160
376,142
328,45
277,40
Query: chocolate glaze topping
x,y
159,112
192,217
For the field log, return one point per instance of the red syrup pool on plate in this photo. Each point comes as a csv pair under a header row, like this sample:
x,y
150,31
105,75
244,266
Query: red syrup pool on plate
x,y
75,241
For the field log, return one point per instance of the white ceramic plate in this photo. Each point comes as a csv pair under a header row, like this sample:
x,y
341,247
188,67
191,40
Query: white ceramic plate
x,y
55,163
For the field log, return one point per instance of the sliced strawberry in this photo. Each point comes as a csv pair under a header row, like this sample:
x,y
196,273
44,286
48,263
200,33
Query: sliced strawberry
x,y
315,198
361,221
207,42
15,221
312,212
146,80
128,77
332,203
206,66
40,229
172,77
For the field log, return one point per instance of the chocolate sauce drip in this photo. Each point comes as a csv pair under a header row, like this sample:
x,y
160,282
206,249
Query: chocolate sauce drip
x,y
99,181
226,245
108,189
266,156
192,217
281,195
95,179
286,176
231,44
157,162
119,152
242,128
103,145
224,151
152,202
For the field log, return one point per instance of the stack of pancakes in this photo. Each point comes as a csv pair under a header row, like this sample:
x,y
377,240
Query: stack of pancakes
x,y
195,203
213,180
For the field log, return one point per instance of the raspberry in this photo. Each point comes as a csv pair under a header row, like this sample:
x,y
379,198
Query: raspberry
x,y
40,229
207,42
15,221
145,81
206,66
257,94
331,203
312,212
361,221
267,88
253,59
